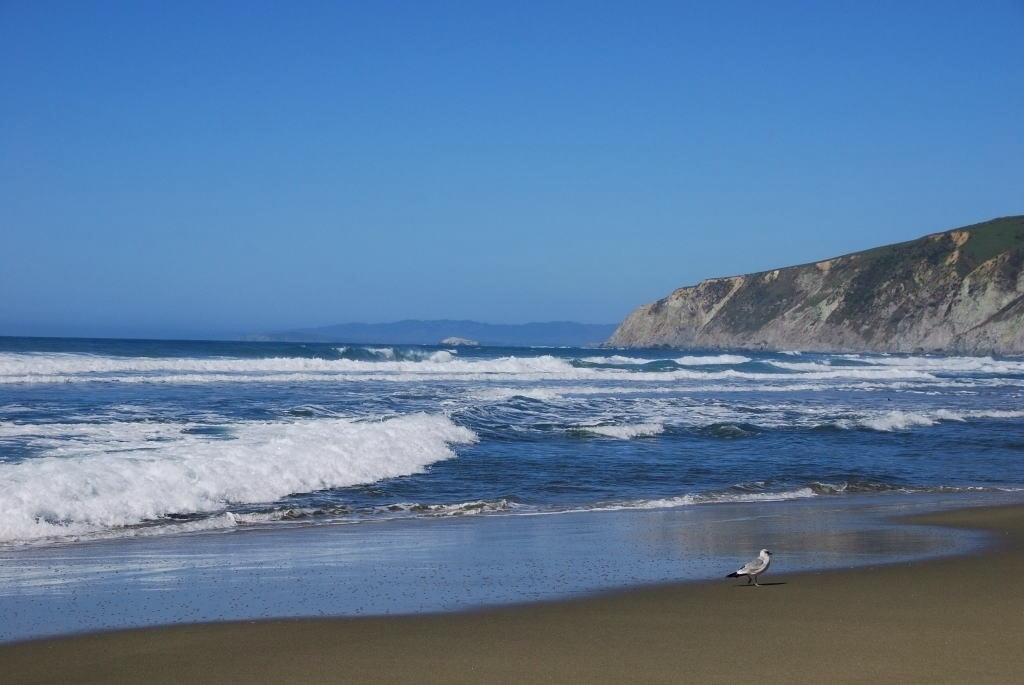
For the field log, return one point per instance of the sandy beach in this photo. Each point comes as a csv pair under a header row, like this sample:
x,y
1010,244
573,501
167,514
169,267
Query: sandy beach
x,y
949,620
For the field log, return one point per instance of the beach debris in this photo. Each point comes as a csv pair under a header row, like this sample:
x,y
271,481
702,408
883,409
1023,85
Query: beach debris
x,y
752,569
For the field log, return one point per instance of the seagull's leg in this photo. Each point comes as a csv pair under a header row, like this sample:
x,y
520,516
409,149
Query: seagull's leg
x,y
755,581
749,578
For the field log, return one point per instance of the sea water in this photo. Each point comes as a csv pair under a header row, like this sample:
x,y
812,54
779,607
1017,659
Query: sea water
x,y
164,448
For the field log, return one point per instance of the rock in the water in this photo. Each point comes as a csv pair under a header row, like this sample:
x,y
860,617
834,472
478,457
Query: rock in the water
x,y
960,291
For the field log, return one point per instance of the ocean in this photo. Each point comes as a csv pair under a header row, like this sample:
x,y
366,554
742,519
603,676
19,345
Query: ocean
x,y
367,462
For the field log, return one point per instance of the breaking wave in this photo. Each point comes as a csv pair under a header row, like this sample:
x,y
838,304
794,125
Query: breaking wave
x,y
405,354
100,477
628,432
979,365
903,420
389,364
714,360
718,360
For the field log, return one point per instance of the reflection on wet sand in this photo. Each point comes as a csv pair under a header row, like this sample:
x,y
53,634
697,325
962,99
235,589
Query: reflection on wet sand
x,y
444,565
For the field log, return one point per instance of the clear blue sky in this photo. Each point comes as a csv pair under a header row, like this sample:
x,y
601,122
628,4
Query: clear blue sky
x,y
211,168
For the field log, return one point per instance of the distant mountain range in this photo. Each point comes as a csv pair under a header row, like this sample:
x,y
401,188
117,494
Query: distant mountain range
x,y
415,332
959,291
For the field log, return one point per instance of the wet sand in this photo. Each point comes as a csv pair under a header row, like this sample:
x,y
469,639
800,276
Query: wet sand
x,y
950,620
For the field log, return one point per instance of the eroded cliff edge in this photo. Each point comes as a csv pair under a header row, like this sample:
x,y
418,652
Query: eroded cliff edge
x,y
957,291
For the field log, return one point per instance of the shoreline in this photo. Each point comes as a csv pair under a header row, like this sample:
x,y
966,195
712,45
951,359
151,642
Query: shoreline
x,y
946,619
419,567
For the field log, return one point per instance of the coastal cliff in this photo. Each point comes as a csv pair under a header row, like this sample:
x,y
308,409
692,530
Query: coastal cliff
x,y
959,291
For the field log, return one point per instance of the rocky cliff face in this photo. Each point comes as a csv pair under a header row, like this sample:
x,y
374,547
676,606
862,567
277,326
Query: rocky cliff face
x,y
959,291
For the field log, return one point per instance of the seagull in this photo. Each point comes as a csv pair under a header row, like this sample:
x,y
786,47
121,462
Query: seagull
x,y
752,569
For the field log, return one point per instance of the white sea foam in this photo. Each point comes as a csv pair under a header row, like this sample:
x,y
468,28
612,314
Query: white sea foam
x,y
902,420
67,439
816,490
440,365
716,360
992,414
701,360
626,432
388,511
899,420
984,365
667,405
725,497
803,366
473,508
382,352
28,368
109,477
694,499
617,359
558,392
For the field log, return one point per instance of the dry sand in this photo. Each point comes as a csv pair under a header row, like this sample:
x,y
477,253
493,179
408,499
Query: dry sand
x,y
956,620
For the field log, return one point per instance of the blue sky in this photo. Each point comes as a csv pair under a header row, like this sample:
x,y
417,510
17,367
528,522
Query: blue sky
x,y
213,168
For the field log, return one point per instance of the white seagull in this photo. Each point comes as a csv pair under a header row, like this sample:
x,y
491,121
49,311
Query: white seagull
x,y
752,569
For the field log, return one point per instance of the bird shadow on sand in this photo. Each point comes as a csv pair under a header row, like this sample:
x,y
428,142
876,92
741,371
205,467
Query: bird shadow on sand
x,y
779,582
